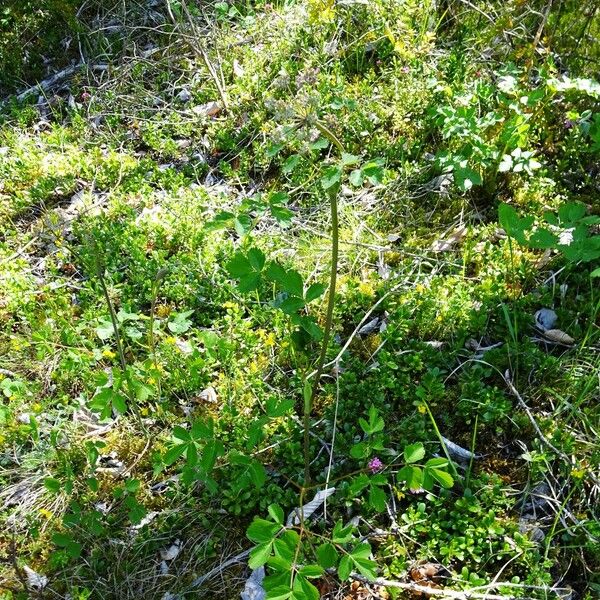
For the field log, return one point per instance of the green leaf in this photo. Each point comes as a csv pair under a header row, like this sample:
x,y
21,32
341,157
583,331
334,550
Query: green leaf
x,y
443,478
360,450
437,462
238,266
181,434
280,592
292,283
259,555
304,589
119,403
54,485
320,144
377,498
595,273
414,453
542,239
331,177
174,453
281,214
276,513
314,291
257,474
132,485
249,282
570,212
105,329
274,149
261,530
285,547
180,322
358,484
291,162
412,476
327,555
356,178
345,568
349,159
311,571
292,305
341,534
256,258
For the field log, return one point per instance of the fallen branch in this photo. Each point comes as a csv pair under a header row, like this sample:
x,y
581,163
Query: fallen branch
x,y
50,82
469,594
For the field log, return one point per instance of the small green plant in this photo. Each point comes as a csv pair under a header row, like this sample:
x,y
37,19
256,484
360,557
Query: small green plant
x,y
571,231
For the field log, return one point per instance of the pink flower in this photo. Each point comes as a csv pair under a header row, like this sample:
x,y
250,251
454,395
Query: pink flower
x,y
375,465
85,96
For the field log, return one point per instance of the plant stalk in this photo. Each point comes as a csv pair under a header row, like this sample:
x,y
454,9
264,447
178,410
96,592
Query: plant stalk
x,y
308,402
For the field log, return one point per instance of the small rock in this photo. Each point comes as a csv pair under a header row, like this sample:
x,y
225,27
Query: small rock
x,y
184,96
172,552
35,581
545,319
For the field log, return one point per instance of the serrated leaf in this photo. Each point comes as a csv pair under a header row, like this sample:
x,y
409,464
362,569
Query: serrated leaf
x,y
414,453
261,530
280,592
331,177
119,403
341,534
292,305
259,555
571,211
311,571
356,178
377,498
327,555
345,568
304,589
276,513
238,266
442,477
349,159
292,283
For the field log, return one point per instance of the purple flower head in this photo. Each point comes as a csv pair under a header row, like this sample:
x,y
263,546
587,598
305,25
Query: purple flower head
x,y
375,465
569,124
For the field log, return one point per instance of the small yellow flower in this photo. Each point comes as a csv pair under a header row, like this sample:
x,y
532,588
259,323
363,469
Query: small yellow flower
x,y
578,473
422,409
108,354
419,288
366,288
270,340
47,514
37,407
171,340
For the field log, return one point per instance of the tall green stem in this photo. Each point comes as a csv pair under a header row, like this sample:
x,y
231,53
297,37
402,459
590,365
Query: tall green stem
x,y
308,401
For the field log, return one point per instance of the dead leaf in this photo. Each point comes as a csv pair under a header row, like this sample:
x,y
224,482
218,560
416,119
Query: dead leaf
x,y
447,244
210,109
238,70
559,337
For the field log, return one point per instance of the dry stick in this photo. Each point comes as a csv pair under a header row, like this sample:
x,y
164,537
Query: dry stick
x,y
198,49
538,35
429,591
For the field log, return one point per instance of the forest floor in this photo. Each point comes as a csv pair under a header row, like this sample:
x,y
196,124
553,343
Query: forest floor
x,y
165,258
